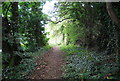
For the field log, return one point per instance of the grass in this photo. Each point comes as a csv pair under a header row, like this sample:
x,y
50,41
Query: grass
x,y
84,64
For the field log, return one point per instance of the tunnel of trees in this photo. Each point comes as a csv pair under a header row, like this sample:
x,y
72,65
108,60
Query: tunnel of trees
x,y
89,34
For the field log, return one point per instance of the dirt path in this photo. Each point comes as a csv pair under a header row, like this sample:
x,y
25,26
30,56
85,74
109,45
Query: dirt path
x,y
49,66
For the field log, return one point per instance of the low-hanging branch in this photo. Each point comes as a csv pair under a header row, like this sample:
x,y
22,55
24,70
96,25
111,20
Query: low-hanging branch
x,y
8,9
56,22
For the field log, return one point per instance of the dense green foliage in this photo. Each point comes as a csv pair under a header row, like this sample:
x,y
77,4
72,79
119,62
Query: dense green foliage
x,y
23,33
83,64
87,31
26,66
88,25
30,21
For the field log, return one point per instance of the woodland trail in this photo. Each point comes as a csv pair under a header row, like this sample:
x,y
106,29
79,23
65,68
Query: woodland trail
x,y
50,65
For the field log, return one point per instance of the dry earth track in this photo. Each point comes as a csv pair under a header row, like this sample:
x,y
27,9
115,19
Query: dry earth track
x,y
50,65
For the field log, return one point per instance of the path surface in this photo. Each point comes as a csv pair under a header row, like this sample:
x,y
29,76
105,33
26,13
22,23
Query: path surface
x,y
50,65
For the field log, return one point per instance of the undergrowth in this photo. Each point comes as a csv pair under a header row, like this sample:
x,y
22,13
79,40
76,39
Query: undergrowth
x,y
83,64
23,70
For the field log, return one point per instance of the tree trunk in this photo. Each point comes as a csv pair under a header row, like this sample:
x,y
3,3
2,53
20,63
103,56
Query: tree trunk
x,y
112,14
15,34
89,25
15,25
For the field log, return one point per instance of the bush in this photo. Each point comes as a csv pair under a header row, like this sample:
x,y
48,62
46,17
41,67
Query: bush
x,y
27,64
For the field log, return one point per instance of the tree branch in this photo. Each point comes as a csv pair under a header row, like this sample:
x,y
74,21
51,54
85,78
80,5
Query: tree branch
x,y
112,14
8,9
56,22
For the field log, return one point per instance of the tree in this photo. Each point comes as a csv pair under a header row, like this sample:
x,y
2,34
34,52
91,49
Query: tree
x,y
23,30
